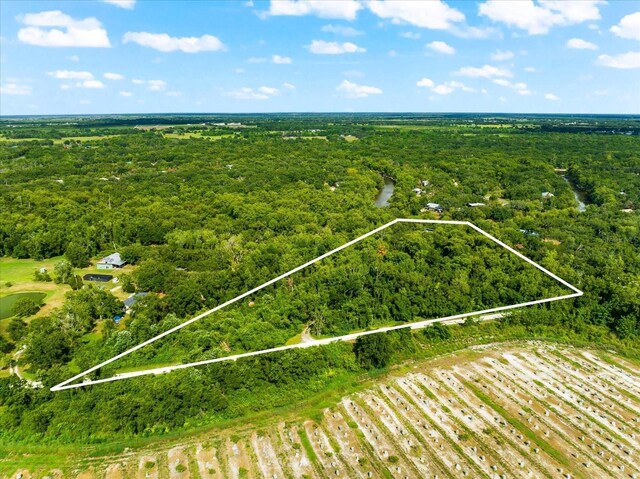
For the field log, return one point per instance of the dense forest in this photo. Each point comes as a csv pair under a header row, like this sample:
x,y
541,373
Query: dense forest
x,y
205,208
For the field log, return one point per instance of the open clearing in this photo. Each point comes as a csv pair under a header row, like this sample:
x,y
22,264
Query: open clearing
x,y
498,411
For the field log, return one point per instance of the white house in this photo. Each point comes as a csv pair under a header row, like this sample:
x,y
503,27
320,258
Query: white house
x,y
110,262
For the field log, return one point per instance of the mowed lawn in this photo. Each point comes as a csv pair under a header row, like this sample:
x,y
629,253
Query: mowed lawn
x,y
20,274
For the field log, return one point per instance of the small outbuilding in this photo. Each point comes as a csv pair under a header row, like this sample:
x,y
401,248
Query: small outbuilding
x,y
474,205
547,194
133,299
111,262
435,207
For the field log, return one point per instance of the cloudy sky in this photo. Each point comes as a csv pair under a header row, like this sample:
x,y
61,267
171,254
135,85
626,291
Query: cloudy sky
x,y
128,56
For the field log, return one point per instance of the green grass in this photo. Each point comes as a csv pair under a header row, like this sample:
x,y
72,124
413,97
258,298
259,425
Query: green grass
x,y
22,270
311,454
7,302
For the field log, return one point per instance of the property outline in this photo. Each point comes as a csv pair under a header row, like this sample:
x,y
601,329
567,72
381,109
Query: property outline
x,y
316,342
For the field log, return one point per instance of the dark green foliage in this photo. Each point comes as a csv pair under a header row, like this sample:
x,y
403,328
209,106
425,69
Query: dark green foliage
x,y
77,254
373,350
17,329
63,273
204,221
25,307
437,332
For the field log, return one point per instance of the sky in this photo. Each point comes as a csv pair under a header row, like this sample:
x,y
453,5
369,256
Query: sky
x,y
160,56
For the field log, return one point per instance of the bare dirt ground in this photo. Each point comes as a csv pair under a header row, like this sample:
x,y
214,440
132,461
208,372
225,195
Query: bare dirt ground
x,y
526,410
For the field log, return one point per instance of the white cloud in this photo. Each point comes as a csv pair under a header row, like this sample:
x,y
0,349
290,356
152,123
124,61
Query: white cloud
x,y
15,89
623,61
137,81
90,84
128,4
500,56
166,43
445,88
41,31
288,86
441,47
342,30
320,47
345,9
157,85
126,93
411,35
74,58
246,93
485,71
465,31
530,70
113,76
551,96
279,60
86,79
539,18
257,60
174,93
629,27
434,14
353,90
239,70
580,44
425,82
71,75
520,87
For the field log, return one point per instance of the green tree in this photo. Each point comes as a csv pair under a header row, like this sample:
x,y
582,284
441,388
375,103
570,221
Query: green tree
x,y
63,273
17,329
437,332
373,350
77,255
25,307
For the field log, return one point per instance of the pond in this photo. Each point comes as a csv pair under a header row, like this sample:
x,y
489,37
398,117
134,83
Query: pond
x,y
7,302
386,193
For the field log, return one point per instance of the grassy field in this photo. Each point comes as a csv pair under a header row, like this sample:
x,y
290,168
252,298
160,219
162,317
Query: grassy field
x,y
195,134
8,302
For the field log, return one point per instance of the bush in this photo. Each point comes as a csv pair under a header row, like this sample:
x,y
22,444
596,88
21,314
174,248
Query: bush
x,y
373,350
25,307
17,329
437,332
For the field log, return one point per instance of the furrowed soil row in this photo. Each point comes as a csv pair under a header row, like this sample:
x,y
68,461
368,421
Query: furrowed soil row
x,y
454,460
299,463
587,406
208,465
629,404
408,440
495,426
557,435
561,422
504,457
350,448
332,464
380,445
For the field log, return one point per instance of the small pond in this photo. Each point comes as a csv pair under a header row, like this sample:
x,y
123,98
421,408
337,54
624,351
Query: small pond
x,y
7,302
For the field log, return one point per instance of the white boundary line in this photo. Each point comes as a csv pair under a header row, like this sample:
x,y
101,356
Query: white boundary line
x,y
316,342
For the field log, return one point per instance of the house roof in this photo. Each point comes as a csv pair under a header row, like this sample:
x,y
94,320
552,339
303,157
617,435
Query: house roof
x,y
131,300
114,259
